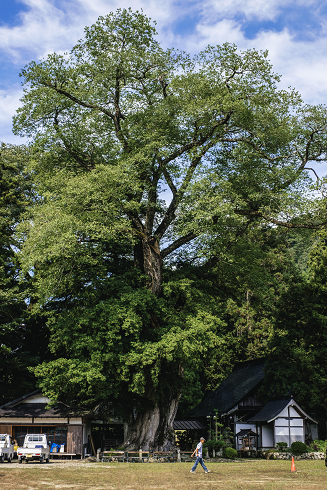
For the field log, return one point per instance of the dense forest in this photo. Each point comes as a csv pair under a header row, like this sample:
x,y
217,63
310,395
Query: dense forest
x,y
163,223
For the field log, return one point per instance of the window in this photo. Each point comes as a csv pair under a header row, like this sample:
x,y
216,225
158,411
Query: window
x,y
58,435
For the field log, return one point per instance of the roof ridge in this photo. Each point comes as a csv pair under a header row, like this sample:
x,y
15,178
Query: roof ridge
x,y
14,402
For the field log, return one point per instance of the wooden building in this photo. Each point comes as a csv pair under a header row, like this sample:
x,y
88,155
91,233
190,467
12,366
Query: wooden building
x,y
29,415
237,405
235,400
281,420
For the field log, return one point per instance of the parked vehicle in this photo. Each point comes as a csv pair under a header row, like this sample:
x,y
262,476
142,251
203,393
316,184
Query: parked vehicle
x,y
35,448
6,448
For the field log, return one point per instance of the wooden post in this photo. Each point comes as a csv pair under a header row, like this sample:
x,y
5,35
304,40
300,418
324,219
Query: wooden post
x,y
98,455
140,455
289,427
178,455
91,439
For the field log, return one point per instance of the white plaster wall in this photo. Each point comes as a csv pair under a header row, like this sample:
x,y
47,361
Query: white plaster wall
x,y
23,421
239,427
75,421
50,420
293,413
281,421
38,398
296,431
281,431
284,413
268,435
86,432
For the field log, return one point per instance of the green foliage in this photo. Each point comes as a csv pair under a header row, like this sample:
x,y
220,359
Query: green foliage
x,y
318,445
23,335
139,292
185,439
281,446
297,353
230,453
298,447
213,444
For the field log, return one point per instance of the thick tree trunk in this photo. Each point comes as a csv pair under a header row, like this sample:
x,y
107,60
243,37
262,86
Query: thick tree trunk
x,y
153,428
153,264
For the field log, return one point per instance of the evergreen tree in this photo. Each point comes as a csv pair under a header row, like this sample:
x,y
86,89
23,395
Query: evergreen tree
x,y
298,347
24,336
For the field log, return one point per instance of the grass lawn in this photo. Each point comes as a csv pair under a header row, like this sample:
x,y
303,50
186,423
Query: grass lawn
x,y
245,475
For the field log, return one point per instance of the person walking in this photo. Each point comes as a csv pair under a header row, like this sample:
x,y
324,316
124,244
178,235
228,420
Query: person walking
x,y
198,453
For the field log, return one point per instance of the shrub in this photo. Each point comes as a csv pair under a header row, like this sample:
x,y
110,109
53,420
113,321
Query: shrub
x,y
281,446
318,445
212,444
230,453
299,447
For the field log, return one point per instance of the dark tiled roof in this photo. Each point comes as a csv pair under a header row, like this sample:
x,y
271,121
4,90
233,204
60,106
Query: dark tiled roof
x,y
244,378
187,424
246,432
15,402
271,409
274,407
27,410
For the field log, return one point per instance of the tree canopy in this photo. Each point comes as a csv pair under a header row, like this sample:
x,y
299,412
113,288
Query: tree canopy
x,y
147,163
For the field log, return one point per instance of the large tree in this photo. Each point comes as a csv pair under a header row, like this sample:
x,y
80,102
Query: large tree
x,y
115,122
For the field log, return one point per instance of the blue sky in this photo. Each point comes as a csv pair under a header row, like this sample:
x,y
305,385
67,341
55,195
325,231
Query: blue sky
x,y
294,32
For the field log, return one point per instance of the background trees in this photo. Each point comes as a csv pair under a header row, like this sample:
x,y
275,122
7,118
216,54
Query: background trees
x,y
129,280
23,333
297,348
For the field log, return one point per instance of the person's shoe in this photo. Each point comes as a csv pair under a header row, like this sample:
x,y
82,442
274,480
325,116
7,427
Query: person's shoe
x,y
192,471
207,471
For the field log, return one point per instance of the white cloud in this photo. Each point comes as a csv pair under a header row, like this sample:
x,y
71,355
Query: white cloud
x,y
45,27
258,9
51,25
9,102
302,64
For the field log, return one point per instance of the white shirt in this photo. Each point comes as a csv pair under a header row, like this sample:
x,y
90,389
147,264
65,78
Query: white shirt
x,y
199,448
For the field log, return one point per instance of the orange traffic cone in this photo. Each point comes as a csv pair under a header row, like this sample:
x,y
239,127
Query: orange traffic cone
x,y
293,465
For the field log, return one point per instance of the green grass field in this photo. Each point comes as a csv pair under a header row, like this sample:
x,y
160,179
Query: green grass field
x,y
245,475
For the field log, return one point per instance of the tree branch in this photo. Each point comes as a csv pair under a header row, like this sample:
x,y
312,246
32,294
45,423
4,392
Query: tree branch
x,y
69,148
313,170
78,101
179,193
163,84
177,244
286,224
115,118
152,201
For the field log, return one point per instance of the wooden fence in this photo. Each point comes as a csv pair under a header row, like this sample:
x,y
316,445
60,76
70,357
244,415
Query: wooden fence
x,y
140,456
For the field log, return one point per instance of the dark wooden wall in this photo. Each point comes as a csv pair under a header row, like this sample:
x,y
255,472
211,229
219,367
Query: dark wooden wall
x,y
6,429
75,439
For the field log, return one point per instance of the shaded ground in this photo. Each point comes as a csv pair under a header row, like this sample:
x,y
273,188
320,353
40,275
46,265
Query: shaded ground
x,y
244,475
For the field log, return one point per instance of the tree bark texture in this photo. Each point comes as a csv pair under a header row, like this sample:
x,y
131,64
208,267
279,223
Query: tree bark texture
x,y
153,428
153,264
